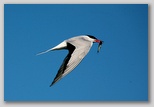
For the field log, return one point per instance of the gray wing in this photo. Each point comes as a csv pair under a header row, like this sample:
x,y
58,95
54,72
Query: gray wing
x,y
76,58
73,58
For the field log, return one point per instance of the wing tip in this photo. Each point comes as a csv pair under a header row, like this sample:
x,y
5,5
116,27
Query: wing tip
x,y
52,83
55,80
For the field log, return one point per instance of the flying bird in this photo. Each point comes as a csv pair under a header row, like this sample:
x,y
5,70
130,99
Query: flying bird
x,y
78,48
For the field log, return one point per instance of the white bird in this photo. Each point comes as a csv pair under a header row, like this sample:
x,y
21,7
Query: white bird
x,y
78,48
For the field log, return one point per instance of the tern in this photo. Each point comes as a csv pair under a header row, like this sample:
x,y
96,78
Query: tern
x,y
78,48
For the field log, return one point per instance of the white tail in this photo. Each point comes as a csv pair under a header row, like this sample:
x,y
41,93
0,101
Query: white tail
x,y
44,52
62,45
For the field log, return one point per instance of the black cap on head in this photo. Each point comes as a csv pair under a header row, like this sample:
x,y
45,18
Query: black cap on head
x,y
92,37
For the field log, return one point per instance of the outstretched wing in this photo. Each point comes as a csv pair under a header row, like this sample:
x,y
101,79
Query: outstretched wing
x,y
63,67
74,57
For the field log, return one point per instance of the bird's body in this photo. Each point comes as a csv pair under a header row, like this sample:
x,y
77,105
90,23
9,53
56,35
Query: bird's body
x,y
78,48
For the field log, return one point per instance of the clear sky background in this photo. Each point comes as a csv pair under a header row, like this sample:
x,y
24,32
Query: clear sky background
x,y
118,73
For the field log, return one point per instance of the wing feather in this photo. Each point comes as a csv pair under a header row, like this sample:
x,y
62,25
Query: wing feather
x,y
78,50
75,60
64,64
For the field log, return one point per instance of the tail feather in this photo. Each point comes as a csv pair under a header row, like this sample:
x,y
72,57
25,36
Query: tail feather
x,y
44,52
62,45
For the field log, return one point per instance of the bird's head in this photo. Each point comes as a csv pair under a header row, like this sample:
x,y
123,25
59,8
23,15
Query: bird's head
x,y
95,40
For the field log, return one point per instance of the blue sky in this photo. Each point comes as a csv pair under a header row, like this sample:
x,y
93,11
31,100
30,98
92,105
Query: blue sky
x,y
118,73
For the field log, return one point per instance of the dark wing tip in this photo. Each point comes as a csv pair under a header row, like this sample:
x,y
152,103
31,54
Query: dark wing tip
x,y
52,83
56,79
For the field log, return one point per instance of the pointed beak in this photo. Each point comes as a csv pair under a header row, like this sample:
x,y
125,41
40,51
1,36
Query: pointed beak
x,y
96,40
